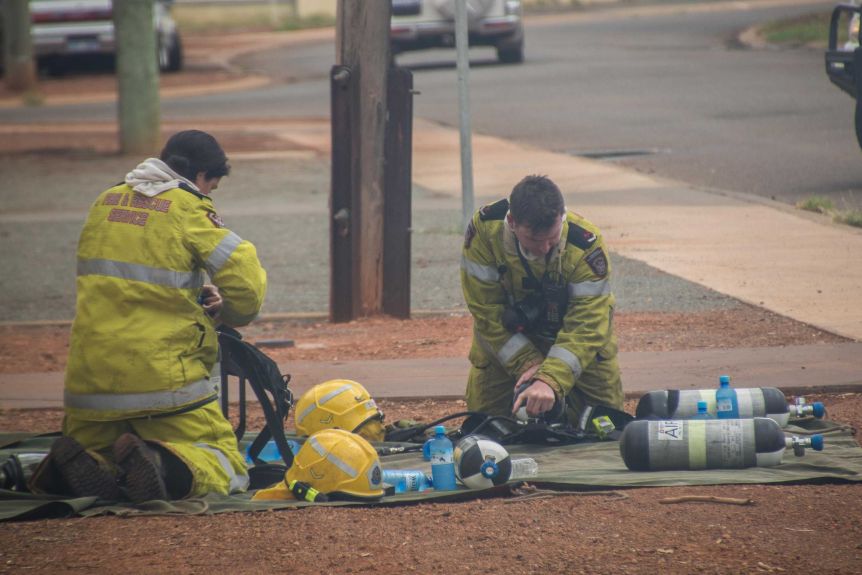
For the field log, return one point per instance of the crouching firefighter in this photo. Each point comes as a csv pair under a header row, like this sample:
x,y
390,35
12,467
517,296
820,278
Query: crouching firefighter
x,y
142,419
535,278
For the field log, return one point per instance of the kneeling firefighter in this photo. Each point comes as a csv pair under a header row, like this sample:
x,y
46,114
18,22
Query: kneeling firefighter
x,y
142,420
332,464
339,404
536,279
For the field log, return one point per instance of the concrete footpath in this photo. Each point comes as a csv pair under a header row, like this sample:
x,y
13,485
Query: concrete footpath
x,y
796,370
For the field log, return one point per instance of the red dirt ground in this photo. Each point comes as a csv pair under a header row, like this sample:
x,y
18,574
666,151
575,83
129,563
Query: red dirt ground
x,y
785,529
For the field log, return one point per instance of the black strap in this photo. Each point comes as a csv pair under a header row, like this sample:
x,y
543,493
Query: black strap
x,y
268,385
411,433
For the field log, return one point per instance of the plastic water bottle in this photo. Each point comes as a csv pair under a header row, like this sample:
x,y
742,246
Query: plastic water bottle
x,y
709,444
702,411
524,468
726,403
270,453
426,449
442,461
407,480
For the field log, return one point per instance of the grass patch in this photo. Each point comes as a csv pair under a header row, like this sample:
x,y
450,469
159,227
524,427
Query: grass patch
x,y
810,29
817,204
849,217
196,19
823,205
32,98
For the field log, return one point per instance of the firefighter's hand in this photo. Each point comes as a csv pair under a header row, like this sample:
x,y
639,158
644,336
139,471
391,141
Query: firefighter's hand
x,y
527,375
538,398
211,300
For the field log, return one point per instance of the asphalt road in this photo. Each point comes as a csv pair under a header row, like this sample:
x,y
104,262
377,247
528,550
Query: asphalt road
x,y
664,91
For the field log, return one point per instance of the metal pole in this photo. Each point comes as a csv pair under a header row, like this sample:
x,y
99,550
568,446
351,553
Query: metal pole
x,y
462,44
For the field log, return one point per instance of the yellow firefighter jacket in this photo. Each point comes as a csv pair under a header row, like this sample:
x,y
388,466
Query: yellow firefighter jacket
x,y
141,342
493,276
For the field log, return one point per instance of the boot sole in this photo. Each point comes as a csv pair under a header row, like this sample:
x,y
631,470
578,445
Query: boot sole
x,y
81,472
143,479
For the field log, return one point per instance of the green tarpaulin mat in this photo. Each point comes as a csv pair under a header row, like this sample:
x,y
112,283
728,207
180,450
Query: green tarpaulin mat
x,y
583,466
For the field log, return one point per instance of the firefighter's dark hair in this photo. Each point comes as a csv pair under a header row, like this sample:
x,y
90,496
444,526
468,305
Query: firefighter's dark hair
x,y
192,151
536,202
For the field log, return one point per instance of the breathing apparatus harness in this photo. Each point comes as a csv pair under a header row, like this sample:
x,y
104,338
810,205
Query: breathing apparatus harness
x,y
542,310
245,361
597,423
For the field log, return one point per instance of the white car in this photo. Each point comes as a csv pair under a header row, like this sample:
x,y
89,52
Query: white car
x,y
74,27
420,24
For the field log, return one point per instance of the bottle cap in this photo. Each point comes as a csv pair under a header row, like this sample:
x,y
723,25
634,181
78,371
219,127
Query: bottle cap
x,y
817,442
724,379
439,430
819,409
701,406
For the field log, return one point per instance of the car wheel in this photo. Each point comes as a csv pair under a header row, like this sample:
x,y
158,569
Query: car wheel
x,y
858,122
171,54
511,53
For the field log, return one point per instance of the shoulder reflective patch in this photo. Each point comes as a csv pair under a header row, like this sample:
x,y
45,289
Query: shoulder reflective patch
x,y
495,211
580,237
598,262
215,219
589,288
222,253
469,234
481,272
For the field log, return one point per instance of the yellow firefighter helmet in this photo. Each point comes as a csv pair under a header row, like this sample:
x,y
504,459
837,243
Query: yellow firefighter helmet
x,y
339,404
332,462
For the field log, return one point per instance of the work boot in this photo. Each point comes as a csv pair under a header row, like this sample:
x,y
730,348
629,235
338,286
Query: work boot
x,y
142,469
82,473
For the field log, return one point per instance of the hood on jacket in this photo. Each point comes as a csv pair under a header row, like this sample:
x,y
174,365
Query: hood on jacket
x,y
153,176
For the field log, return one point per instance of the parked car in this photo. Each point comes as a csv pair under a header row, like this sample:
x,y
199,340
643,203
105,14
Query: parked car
x,y
421,24
844,58
63,28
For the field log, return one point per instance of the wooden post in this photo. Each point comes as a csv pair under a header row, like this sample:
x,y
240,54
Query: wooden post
x,y
343,196
137,77
18,46
399,182
362,45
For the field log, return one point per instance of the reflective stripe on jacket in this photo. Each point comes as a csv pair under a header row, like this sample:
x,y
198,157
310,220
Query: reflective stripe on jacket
x,y
491,269
141,343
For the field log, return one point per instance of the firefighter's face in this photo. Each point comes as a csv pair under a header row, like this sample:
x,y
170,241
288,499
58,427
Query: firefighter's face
x,y
536,242
206,185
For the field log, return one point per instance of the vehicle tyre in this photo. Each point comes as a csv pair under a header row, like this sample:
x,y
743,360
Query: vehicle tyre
x,y
511,53
858,122
171,54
